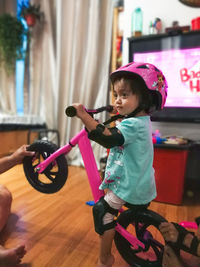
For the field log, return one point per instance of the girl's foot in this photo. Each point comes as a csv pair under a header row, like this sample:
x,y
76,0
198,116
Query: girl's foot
x,y
11,257
109,262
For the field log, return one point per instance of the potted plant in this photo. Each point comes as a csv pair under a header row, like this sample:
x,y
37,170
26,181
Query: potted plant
x,y
31,13
11,40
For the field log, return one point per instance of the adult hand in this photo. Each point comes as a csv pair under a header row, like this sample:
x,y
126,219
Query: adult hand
x,y
169,231
198,232
18,156
170,259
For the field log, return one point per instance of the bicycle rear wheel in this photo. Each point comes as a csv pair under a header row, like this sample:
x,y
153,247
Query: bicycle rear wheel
x,y
144,225
53,178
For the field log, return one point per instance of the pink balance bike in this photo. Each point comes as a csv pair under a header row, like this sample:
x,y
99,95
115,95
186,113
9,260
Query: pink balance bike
x,y
137,237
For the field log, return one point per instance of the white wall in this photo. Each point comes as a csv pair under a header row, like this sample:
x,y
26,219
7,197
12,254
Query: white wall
x,y
168,11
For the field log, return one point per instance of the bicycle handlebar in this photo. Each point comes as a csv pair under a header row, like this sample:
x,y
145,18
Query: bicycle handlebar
x,y
71,110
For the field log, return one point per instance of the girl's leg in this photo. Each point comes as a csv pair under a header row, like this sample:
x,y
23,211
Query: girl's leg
x,y
106,259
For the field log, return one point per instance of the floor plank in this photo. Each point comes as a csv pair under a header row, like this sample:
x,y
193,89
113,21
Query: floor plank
x,y
58,228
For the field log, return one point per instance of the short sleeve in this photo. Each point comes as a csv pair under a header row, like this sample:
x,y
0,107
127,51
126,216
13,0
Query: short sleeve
x,y
128,129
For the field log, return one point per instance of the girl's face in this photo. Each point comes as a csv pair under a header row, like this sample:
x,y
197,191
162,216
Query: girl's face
x,y
125,101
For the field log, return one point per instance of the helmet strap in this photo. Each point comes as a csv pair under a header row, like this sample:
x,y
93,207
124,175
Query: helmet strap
x,y
135,112
116,117
113,118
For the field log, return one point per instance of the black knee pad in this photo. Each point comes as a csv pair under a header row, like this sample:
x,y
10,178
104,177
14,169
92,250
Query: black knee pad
x,y
99,210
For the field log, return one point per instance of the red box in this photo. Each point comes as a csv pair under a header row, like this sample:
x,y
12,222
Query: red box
x,y
196,24
170,166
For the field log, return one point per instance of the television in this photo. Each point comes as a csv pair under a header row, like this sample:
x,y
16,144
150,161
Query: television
x,y
178,56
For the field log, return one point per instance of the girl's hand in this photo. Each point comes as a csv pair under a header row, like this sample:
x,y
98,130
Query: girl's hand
x,y
114,111
80,109
82,114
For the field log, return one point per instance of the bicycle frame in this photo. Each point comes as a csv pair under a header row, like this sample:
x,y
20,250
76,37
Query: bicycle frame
x,y
93,175
191,225
95,180
88,158
146,218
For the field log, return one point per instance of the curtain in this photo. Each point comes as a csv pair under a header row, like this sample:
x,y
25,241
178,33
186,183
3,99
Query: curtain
x,y
69,62
69,59
7,83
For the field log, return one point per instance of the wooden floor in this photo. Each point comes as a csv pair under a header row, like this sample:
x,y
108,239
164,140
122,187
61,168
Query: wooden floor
x,y
58,228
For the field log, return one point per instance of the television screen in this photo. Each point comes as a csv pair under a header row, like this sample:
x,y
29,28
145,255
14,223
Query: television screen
x,y
182,71
180,64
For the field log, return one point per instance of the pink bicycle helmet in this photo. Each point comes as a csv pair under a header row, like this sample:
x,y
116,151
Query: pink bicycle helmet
x,y
152,76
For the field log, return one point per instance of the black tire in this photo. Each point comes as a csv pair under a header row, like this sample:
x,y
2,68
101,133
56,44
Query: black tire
x,y
137,224
53,178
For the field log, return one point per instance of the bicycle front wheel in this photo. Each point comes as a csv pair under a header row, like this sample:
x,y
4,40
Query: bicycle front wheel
x,y
145,226
53,178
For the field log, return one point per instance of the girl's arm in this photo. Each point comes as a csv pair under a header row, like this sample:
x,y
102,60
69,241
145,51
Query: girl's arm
x,y
106,137
87,120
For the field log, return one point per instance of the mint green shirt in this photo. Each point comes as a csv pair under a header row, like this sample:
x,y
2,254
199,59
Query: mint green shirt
x,y
129,171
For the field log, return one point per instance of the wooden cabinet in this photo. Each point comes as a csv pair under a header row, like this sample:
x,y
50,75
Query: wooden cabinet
x,y
117,39
11,140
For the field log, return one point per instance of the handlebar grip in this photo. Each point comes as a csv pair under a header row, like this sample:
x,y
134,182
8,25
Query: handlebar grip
x,y
109,108
70,111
